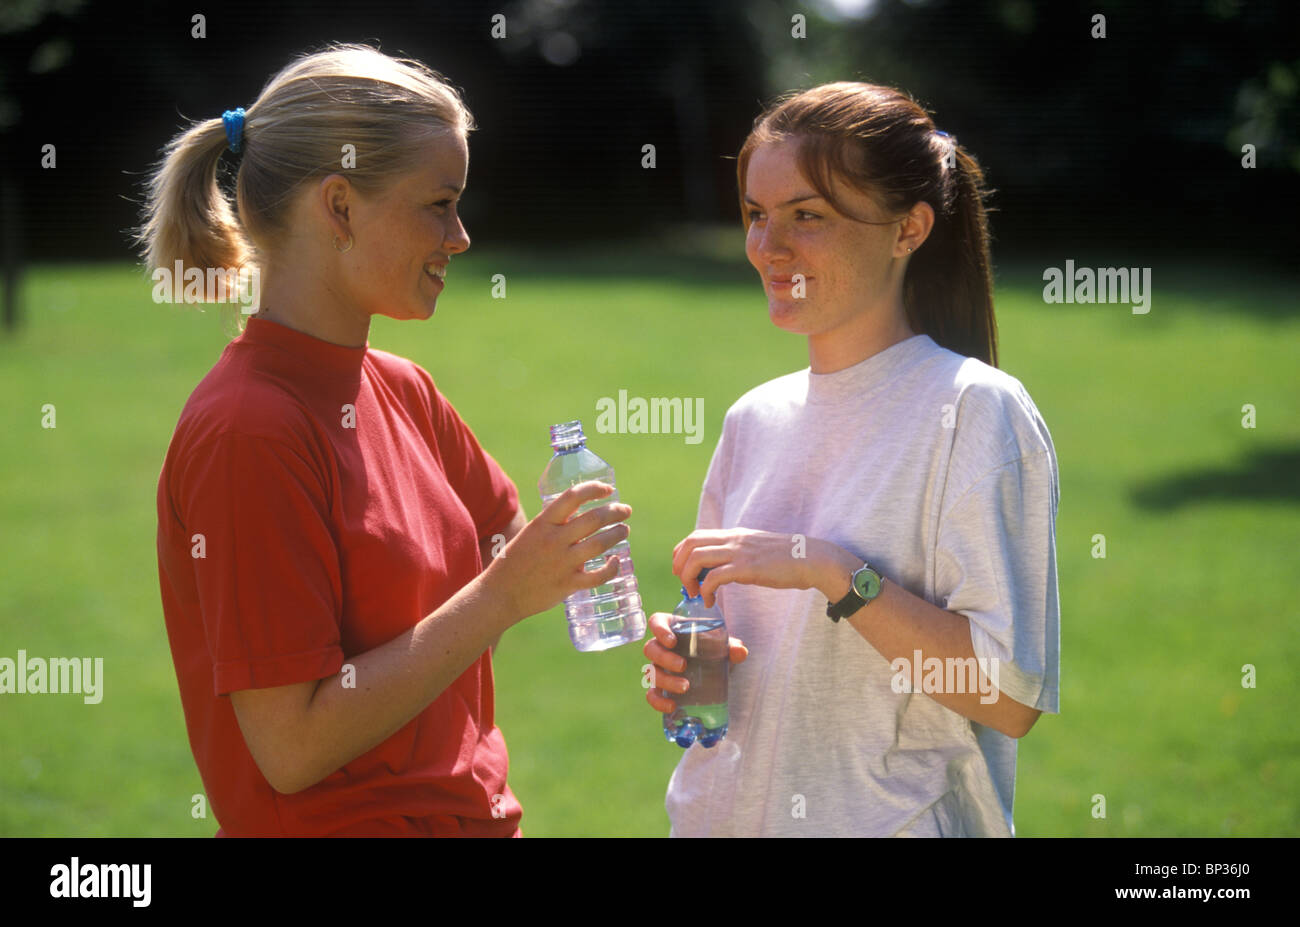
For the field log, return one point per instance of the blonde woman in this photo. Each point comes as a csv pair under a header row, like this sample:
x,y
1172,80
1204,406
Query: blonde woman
x,y
879,527
325,517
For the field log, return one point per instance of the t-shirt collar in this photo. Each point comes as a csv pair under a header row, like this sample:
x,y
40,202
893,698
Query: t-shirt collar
x,y
867,375
314,354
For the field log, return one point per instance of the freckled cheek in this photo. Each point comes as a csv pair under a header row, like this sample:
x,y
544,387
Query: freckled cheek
x,y
392,272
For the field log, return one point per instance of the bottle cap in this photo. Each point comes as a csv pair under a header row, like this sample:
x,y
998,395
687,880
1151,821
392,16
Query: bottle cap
x,y
703,573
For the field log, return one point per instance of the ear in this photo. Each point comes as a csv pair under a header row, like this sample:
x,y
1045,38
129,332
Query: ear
x,y
914,229
335,197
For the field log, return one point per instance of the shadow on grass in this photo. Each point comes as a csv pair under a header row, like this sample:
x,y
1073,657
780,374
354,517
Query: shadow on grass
x,y
1267,474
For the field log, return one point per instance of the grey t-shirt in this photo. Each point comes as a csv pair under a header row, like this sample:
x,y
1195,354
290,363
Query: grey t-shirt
x,y
937,470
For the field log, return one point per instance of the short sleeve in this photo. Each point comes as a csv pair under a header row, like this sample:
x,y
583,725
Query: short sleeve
x,y
714,493
996,564
485,489
266,567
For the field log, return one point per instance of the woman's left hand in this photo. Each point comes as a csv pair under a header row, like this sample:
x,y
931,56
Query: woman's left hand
x,y
743,555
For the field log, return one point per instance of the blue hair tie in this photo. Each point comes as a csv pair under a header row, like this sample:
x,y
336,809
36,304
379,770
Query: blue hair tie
x,y
234,121
942,134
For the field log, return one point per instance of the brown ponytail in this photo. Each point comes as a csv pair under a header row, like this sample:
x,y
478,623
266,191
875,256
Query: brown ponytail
x,y
882,142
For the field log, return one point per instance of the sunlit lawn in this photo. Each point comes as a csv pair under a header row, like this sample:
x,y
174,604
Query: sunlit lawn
x,y
1201,519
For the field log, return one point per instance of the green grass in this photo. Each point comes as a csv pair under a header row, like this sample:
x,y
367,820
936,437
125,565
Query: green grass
x,y
1201,519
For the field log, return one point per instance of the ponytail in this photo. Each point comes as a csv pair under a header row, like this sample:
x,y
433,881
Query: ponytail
x,y
948,290
187,216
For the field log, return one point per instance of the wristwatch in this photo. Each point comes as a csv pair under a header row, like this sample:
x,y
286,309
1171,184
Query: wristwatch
x,y
864,586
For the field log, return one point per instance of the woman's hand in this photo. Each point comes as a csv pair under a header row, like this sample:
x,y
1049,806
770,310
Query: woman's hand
x,y
742,555
762,558
666,663
542,565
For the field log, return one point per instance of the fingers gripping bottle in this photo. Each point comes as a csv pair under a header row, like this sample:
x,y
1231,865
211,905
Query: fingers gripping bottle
x,y
607,615
702,640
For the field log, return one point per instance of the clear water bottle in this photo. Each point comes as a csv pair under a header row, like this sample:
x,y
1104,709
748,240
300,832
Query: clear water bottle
x,y
607,615
702,640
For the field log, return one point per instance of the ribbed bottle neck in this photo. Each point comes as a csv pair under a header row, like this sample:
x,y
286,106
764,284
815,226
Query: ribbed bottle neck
x,y
567,437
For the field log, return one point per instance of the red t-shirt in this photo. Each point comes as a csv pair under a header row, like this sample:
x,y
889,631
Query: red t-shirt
x,y
340,499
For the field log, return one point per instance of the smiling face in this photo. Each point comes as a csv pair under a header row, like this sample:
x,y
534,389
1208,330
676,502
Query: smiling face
x,y
851,271
406,237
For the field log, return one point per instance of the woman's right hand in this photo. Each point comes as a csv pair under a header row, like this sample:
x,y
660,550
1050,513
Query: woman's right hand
x,y
542,565
659,649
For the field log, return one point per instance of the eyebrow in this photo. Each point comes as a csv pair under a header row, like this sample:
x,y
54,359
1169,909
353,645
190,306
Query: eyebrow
x,y
449,186
790,202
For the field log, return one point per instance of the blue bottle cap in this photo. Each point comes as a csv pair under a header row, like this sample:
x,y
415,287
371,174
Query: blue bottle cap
x,y
694,598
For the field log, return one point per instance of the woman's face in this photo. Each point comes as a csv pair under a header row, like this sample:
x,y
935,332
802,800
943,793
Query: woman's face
x,y
410,230
849,275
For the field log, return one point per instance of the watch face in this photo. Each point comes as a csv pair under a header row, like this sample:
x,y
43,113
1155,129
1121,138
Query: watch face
x,y
867,583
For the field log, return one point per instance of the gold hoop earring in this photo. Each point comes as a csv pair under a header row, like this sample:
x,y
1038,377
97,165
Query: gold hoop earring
x,y
343,250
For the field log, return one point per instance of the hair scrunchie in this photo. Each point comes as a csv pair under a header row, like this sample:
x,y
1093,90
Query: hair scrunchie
x,y
234,122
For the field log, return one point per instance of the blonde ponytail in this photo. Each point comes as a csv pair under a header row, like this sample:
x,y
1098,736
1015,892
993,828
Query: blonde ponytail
x,y
187,217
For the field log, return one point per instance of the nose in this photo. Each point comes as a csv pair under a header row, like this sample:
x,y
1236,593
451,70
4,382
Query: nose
x,y
457,239
772,246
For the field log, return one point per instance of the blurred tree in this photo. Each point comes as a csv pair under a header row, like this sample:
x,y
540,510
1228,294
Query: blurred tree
x,y
596,82
1118,140
33,42
1088,138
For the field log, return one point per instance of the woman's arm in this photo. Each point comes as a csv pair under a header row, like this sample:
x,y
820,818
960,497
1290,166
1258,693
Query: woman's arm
x,y
896,622
489,547
299,734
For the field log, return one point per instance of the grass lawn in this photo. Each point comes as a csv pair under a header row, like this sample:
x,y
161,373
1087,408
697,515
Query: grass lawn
x,y
1201,519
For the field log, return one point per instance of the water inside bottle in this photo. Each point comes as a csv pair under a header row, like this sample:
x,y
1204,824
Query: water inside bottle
x,y
608,615
701,713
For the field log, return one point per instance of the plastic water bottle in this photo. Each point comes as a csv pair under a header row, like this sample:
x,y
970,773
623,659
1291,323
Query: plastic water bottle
x,y
607,615
702,640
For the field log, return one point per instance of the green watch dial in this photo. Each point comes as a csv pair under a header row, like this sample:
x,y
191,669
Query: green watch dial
x,y
867,583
